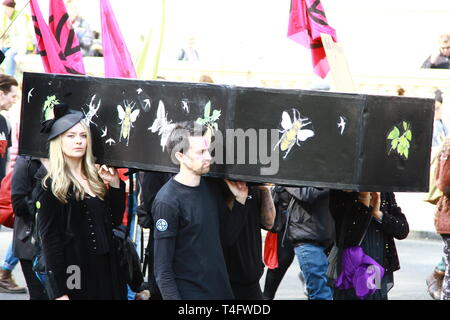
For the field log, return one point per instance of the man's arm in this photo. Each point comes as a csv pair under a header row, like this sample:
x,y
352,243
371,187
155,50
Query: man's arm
x,y
267,208
163,268
165,231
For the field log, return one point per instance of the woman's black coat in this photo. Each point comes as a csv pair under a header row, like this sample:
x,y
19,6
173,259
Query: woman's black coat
x,y
65,243
352,218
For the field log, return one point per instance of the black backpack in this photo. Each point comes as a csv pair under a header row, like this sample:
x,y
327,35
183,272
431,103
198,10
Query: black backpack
x,y
128,258
33,203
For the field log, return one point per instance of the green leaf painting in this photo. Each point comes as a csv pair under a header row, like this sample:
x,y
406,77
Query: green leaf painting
x,y
209,120
401,142
49,103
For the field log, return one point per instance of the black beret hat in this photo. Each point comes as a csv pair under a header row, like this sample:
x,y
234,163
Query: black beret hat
x,y
65,118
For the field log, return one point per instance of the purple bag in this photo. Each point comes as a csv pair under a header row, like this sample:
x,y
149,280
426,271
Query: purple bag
x,y
360,272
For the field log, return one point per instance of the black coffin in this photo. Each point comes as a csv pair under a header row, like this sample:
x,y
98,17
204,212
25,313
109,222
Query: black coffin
x,y
289,137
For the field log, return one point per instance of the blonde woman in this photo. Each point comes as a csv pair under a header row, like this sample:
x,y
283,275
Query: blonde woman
x,y
77,209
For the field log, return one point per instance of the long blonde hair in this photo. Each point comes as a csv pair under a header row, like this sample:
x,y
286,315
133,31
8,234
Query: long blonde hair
x,y
62,178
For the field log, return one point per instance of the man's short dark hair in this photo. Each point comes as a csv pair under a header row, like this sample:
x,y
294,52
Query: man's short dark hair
x,y
6,82
178,140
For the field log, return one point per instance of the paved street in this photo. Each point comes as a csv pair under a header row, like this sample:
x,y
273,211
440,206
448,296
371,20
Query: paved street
x,y
417,259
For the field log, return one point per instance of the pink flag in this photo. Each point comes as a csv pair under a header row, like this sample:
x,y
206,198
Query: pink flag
x,y
117,59
61,28
307,21
50,52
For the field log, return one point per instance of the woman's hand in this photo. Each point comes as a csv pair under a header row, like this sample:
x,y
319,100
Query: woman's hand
x,y
375,203
110,176
364,198
239,190
64,297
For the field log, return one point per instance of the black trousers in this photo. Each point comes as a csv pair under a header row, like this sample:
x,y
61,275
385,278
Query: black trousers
x,y
35,288
286,255
247,292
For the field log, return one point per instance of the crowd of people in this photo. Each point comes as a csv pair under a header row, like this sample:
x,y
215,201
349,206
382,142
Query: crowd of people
x,y
18,35
438,194
205,233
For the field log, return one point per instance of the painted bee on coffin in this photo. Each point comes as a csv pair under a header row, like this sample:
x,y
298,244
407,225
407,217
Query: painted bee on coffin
x,y
293,131
127,116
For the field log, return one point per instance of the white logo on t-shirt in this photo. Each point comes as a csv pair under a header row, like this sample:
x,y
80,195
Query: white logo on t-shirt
x,y
161,225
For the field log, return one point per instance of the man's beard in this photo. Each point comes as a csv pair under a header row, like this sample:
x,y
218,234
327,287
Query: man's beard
x,y
200,171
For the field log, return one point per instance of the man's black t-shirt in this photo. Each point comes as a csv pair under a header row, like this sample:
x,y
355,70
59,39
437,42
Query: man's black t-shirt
x,y
244,257
5,143
190,223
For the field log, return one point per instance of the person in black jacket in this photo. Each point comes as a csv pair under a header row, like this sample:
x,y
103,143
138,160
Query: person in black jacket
x,y
372,221
150,183
244,257
22,186
77,210
310,228
441,58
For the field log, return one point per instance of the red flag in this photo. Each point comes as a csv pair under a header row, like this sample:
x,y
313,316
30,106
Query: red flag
x,y
118,63
307,21
52,57
61,28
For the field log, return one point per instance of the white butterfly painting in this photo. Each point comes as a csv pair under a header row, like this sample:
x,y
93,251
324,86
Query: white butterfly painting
x,y
161,125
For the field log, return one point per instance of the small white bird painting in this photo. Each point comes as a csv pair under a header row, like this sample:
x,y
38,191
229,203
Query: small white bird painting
x,y
30,95
342,124
104,132
185,105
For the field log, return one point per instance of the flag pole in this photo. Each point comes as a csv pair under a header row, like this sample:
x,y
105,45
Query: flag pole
x,y
340,72
161,38
15,18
